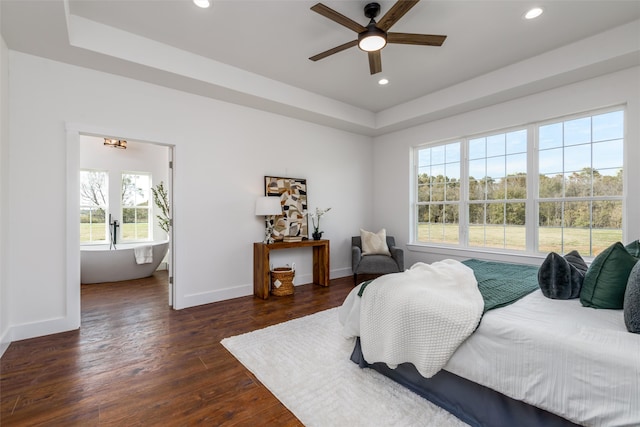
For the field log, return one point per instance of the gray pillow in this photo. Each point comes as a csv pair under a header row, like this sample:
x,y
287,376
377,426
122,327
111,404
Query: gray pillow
x,y
578,270
561,277
634,248
632,301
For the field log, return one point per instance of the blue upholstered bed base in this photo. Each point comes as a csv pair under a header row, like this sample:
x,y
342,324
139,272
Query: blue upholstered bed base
x,y
474,404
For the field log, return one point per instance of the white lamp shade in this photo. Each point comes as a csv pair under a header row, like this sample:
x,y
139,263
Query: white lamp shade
x,y
268,206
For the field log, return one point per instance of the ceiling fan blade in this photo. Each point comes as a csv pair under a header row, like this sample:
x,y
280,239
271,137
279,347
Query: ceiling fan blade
x,y
327,12
334,50
396,12
419,39
375,62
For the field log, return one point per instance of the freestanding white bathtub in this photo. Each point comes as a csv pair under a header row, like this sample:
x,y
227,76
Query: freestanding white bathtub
x,y
99,264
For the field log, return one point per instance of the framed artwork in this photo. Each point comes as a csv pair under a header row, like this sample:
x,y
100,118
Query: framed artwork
x,y
291,226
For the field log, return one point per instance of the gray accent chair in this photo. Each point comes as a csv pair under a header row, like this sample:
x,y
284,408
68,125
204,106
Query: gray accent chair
x,y
375,264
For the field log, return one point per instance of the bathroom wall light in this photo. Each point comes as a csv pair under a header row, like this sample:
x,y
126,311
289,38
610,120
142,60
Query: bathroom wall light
x,y
115,143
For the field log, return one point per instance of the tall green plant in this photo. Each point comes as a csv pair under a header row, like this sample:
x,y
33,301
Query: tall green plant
x,y
162,201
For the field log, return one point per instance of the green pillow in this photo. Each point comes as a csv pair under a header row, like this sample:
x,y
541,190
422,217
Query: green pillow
x,y
606,279
634,248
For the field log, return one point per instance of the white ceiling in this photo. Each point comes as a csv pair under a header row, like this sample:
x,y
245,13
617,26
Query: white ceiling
x,y
272,40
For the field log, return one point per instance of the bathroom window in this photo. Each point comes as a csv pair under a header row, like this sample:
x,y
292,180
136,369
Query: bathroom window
x,y
136,189
94,203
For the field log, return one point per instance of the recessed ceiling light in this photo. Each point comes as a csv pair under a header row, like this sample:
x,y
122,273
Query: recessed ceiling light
x,y
533,13
202,3
383,82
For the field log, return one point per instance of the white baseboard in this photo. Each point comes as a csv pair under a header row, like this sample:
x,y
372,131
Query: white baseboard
x,y
5,342
42,328
202,298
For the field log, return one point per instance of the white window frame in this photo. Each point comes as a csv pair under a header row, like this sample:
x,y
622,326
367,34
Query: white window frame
x,y
149,209
532,200
104,207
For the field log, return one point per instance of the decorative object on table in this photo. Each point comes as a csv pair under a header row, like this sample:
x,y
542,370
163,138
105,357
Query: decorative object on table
x,y
161,199
292,192
282,280
269,207
315,219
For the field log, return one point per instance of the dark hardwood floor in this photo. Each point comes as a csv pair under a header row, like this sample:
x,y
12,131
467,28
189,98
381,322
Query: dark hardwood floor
x,y
135,361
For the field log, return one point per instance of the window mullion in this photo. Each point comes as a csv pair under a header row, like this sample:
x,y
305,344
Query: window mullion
x,y
463,207
531,216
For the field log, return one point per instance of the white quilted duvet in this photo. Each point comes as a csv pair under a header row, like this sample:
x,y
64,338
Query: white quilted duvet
x,y
419,316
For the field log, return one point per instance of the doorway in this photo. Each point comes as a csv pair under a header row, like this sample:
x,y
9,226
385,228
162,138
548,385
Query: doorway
x,y
126,213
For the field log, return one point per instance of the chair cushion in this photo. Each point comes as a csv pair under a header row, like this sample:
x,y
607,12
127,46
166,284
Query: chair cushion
x,y
377,264
374,243
606,279
632,301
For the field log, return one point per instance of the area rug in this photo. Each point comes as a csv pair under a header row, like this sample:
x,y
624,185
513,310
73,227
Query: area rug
x,y
305,363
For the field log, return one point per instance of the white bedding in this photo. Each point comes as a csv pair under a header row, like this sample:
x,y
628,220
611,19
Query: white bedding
x,y
577,362
419,316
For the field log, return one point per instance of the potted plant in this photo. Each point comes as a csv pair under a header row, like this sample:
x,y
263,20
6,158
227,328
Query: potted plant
x,y
315,220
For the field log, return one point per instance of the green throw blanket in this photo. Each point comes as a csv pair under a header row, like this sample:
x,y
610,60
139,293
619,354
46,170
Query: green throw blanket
x,y
499,283
502,283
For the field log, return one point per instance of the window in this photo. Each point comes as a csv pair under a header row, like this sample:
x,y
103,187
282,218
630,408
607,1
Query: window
x,y
136,188
498,190
94,202
480,191
580,186
439,193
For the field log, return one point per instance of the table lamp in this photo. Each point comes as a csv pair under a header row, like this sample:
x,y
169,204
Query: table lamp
x,y
268,207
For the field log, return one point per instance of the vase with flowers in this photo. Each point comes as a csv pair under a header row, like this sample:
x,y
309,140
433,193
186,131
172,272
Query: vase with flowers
x,y
315,220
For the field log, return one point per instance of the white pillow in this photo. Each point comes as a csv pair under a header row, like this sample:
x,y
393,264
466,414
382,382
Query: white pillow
x,y
374,243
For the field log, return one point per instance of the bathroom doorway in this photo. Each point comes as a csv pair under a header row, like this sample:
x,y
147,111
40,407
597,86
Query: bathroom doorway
x,y
126,210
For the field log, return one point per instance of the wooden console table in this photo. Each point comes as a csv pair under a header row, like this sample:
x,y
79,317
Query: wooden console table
x,y
261,267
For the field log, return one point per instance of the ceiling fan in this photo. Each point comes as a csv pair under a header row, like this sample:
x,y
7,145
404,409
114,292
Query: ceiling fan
x,y
375,36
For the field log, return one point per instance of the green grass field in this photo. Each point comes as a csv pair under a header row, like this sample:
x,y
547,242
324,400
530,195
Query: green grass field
x,y
513,237
127,232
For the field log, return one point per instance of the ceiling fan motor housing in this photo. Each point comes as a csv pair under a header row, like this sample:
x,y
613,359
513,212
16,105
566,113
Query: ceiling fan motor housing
x,y
371,10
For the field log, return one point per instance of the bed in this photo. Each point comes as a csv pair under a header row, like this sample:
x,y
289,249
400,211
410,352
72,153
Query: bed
x,y
533,361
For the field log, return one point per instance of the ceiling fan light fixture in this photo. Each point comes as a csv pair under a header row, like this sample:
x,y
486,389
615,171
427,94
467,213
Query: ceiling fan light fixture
x,y
373,39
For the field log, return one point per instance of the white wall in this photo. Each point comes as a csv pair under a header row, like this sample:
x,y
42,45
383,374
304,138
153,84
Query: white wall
x,y
138,157
222,152
5,339
392,152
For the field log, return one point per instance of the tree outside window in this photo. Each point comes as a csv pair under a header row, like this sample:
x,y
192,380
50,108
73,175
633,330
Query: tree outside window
x,y
136,189
94,198
577,172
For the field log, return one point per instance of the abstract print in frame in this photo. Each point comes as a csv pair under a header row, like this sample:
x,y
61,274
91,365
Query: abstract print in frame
x,y
292,224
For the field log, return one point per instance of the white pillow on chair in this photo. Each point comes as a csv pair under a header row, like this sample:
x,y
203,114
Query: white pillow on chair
x,y
374,243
